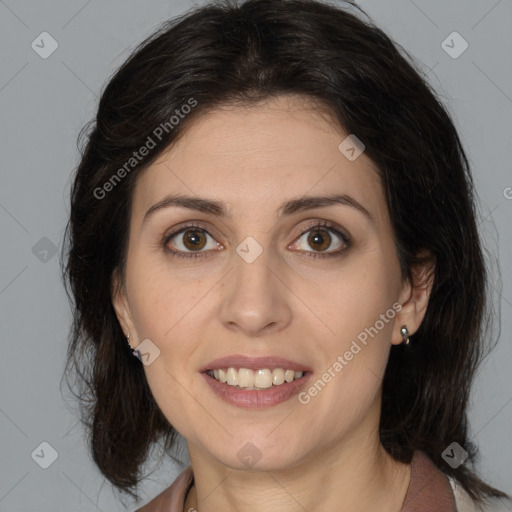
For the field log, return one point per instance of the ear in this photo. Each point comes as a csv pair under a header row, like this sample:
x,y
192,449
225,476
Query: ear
x,y
121,306
414,297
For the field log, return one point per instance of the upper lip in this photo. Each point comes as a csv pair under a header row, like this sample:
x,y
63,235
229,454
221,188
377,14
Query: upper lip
x,y
255,363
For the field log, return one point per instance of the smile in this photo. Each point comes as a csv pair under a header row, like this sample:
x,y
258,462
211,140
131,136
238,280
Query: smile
x,y
263,378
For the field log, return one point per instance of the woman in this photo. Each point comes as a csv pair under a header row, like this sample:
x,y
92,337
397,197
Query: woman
x,y
273,251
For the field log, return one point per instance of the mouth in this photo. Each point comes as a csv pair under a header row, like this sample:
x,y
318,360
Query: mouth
x,y
261,378
255,389
255,382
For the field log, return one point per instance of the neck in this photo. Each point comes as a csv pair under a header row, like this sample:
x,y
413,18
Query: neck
x,y
352,476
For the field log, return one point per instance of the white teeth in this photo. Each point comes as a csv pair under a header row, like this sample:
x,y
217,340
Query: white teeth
x,y
246,378
232,376
263,378
278,376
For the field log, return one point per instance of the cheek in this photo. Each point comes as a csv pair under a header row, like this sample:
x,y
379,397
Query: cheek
x,y
351,300
355,338
170,311
353,364
167,312
162,301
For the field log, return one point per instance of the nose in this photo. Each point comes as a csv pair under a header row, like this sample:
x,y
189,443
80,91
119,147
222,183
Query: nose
x,y
255,298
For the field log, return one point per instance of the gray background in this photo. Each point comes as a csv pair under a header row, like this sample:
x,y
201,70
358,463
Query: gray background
x,y
43,105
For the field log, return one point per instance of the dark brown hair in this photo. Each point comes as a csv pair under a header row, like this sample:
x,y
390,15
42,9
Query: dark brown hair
x,y
229,53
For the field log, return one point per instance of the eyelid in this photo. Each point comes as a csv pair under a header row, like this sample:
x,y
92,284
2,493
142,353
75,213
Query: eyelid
x,y
183,228
326,224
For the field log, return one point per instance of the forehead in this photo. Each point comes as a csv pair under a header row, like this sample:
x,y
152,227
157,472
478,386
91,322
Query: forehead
x,y
255,157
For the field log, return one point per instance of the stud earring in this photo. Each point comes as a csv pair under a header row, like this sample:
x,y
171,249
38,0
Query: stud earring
x,y
135,352
405,335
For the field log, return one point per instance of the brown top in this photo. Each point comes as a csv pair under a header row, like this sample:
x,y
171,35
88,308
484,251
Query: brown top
x,y
429,490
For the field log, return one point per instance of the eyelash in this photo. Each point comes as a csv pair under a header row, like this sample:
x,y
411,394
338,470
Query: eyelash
x,y
319,224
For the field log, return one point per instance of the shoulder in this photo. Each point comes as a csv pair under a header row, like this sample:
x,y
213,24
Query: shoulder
x,y
464,503
172,498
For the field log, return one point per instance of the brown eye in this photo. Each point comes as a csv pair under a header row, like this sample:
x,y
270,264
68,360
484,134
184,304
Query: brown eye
x,y
194,239
190,241
319,239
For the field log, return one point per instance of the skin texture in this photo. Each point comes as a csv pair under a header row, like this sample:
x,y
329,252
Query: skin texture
x,y
325,455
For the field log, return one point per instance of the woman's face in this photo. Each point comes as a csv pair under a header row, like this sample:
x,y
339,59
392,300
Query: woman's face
x,y
316,284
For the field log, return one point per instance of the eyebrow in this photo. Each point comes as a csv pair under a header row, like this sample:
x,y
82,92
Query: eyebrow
x,y
219,208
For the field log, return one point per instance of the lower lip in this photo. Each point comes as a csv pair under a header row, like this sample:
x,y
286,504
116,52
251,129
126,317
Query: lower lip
x,y
256,399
